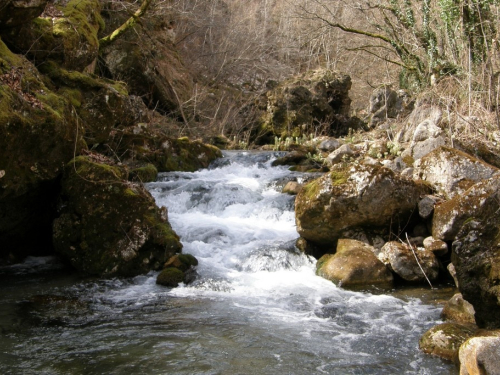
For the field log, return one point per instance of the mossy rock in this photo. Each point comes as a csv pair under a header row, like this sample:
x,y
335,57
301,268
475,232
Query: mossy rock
x,y
39,134
119,231
170,277
165,153
182,262
444,340
146,173
70,38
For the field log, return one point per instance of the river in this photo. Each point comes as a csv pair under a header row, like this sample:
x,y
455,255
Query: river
x,y
255,308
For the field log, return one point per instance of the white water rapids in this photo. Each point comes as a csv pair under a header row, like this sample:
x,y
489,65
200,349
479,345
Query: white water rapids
x,y
257,306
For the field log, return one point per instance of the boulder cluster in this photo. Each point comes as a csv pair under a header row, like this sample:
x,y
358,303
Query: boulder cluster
x,y
404,202
76,148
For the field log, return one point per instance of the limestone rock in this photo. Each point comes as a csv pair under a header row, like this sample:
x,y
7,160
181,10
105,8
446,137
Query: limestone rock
x,y
476,256
359,196
109,226
354,265
444,340
475,203
329,145
435,246
292,188
401,259
426,206
451,172
458,310
426,138
337,155
480,356
388,103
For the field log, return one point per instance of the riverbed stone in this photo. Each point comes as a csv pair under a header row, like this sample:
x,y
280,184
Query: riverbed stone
x,y
109,226
458,310
401,259
355,196
354,265
480,356
451,172
444,340
338,155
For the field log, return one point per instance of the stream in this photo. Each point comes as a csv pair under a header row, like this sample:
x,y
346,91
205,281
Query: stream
x,y
256,307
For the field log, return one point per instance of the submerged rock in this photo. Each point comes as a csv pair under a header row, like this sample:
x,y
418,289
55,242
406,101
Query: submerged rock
x,y
354,265
109,226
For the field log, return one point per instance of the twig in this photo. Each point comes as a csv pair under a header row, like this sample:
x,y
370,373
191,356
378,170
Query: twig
x,y
416,258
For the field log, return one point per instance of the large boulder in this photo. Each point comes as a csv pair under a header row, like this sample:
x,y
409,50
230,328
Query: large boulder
x,y
450,172
401,259
354,265
313,98
476,203
476,256
109,226
39,133
18,12
359,196
68,35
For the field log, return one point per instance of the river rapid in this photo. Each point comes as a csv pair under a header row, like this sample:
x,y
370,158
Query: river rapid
x,y
255,308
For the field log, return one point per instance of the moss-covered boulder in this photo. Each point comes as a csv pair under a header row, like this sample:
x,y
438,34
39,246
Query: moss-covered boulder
x,y
145,173
17,12
165,153
39,133
300,104
180,268
357,196
476,257
67,33
444,340
170,277
109,226
102,105
354,265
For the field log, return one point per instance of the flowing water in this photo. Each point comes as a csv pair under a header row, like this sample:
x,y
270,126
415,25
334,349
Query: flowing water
x,y
256,307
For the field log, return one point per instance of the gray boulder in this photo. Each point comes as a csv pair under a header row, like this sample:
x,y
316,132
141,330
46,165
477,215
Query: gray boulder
x,y
450,172
480,355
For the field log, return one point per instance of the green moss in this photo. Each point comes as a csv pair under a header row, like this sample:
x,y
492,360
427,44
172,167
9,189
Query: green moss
x,y
188,259
75,79
170,277
312,189
339,177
